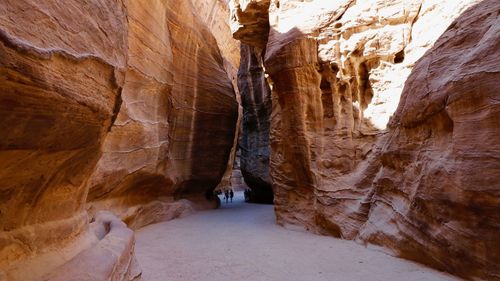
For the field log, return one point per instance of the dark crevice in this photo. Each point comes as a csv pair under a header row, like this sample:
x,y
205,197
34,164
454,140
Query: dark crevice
x,y
399,57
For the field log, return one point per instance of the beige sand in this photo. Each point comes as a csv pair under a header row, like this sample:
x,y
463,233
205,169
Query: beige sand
x,y
242,242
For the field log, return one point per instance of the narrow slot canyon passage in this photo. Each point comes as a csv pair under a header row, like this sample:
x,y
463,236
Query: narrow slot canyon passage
x,y
361,138
241,241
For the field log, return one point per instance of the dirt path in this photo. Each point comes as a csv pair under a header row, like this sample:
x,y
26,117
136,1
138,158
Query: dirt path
x,y
242,242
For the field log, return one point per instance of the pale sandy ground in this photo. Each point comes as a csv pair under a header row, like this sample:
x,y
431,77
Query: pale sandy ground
x,y
242,242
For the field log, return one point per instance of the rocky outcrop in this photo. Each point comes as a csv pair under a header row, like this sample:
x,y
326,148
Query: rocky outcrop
x,y
176,127
60,88
111,258
254,140
437,192
124,106
215,15
417,183
250,21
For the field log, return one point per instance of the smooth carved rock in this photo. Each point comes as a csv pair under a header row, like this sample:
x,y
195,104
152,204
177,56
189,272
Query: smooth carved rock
x,y
176,126
215,15
60,89
111,258
437,192
121,106
426,186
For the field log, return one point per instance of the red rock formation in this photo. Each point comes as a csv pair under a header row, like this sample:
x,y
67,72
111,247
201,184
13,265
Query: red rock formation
x,y
60,89
130,103
423,187
437,192
215,15
176,127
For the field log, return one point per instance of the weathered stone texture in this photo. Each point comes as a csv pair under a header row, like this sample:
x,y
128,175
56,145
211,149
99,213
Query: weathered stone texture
x,y
421,180
111,258
437,192
108,105
176,127
255,126
60,87
250,21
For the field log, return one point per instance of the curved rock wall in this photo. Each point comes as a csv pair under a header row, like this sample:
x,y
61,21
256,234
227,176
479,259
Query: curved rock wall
x,y
108,105
437,192
215,15
176,127
60,89
345,162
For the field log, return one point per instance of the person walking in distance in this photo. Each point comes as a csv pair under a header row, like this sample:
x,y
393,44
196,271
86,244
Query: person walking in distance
x,y
226,195
231,195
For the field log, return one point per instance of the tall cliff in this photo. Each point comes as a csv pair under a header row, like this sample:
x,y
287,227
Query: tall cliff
x,y
124,106
383,123
255,125
176,127
250,24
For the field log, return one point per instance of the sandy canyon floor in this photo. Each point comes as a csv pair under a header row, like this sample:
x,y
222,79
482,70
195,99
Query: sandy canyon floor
x,y
241,241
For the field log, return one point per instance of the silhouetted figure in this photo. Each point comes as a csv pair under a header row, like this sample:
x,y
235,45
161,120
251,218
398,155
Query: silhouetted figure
x,y
246,195
226,195
231,195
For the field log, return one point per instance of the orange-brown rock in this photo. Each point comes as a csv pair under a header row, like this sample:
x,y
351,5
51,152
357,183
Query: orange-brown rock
x,y
437,193
124,106
176,127
60,88
215,15
423,187
250,21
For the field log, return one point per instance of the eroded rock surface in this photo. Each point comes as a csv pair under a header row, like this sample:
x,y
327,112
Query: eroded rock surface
x,y
124,106
176,127
255,126
337,76
111,258
437,192
250,21
60,87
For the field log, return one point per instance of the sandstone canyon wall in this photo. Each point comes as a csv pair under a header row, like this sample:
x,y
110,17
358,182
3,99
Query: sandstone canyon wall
x,y
384,123
175,130
107,105
255,125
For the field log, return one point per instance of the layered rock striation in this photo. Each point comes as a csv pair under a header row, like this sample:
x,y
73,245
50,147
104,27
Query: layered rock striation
x,y
174,133
126,106
60,89
377,111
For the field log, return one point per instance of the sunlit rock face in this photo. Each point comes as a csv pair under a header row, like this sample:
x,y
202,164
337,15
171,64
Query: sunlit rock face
x,y
250,21
437,193
124,106
345,162
176,127
62,71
